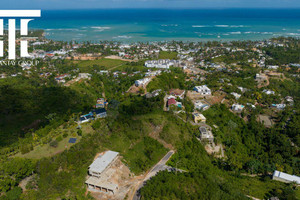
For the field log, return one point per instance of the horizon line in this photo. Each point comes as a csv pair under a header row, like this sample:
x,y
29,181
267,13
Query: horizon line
x,y
162,8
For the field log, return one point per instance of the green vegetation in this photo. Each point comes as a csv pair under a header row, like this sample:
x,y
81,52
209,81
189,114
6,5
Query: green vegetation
x,y
28,105
39,116
167,55
238,56
47,150
203,180
189,186
167,81
67,171
251,147
11,173
283,55
103,62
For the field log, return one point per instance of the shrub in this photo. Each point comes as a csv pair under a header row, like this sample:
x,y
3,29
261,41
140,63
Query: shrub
x,y
79,132
65,135
59,138
14,194
96,125
25,149
54,143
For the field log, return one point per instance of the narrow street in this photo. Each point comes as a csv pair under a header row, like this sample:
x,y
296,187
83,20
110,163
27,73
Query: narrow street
x,y
160,166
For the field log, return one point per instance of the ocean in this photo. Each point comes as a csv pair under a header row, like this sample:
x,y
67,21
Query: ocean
x,y
148,25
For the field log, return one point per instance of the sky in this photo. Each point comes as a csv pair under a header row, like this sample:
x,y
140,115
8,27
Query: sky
x,y
79,4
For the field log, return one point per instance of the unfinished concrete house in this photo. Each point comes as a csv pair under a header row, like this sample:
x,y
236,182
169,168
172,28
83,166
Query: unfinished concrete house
x,y
206,134
98,180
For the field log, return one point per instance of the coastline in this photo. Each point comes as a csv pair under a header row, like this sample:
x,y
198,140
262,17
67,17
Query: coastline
x,y
150,25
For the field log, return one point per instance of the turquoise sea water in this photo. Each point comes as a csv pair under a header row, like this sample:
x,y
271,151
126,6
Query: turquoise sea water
x,y
133,25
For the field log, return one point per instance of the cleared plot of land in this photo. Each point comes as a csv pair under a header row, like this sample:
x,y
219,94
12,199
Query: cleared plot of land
x,y
194,95
117,58
46,150
217,98
266,120
104,62
134,90
167,55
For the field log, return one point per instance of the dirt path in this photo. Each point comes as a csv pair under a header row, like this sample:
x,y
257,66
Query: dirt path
x,y
115,67
155,135
254,198
24,182
103,93
264,85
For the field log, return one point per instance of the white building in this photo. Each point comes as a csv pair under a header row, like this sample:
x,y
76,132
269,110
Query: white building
x,y
242,89
103,72
236,95
102,162
142,82
284,177
60,52
268,92
121,54
237,107
163,63
203,90
3,75
26,66
84,75
98,179
279,106
153,73
206,134
290,100
200,106
260,77
272,67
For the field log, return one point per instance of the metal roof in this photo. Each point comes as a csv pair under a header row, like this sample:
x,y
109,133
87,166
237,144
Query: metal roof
x,y
100,164
287,177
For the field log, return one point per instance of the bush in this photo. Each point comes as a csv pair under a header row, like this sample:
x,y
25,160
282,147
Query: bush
x,y
59,138
65,135
96,125
79,132
14,194
25,149
44,140
54,143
